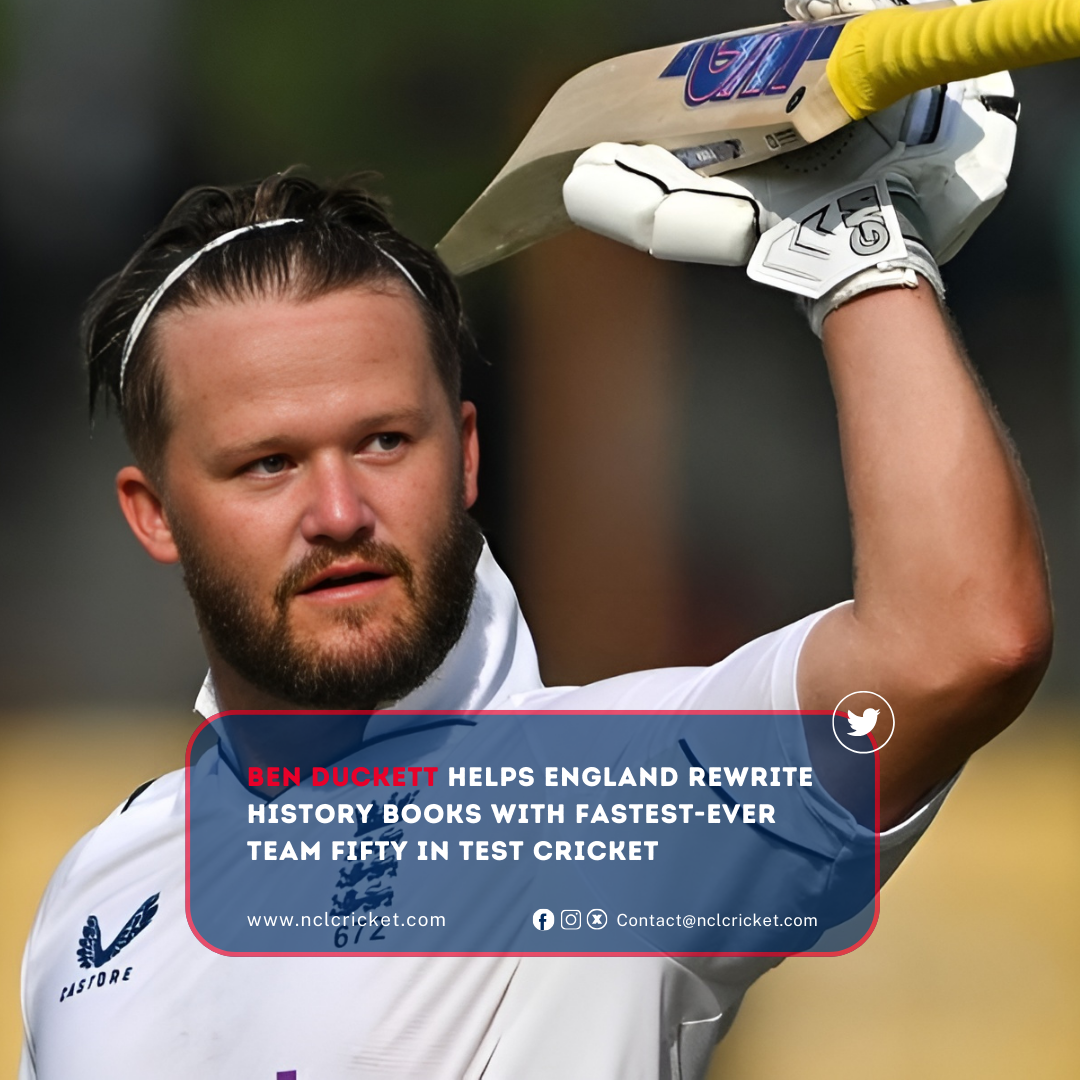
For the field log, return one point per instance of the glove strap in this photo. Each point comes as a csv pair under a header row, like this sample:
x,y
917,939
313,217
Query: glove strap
x,y
861,237
896,273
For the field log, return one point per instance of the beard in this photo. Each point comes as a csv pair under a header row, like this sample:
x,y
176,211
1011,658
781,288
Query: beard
x,y
372,667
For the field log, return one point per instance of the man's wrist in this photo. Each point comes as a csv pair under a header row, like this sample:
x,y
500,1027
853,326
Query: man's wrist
x,y
896,274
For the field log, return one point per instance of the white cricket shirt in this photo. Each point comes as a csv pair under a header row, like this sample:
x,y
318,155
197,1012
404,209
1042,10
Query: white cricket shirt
x,y
162,1006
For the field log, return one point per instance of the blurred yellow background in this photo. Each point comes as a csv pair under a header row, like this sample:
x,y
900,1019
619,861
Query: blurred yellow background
x,y
973,970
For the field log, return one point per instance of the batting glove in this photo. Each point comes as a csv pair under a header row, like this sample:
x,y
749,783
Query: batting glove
x,y
942,155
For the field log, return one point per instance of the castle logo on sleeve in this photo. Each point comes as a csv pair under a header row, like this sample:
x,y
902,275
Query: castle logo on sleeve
x,y
863,722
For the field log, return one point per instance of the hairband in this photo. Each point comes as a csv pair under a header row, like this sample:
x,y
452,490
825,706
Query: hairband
x,y
151,302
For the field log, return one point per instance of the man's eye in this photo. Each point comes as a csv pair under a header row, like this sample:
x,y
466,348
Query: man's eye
x,y
269,466
387,441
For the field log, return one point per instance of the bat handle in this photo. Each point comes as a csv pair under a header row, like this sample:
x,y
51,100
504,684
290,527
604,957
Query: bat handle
x,y
884,56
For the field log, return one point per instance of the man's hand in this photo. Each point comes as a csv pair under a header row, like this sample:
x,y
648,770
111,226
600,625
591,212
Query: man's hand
x,y
945,152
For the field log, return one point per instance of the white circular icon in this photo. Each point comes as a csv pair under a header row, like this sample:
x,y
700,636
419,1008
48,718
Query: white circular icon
x,y
543,918
596,919
861,724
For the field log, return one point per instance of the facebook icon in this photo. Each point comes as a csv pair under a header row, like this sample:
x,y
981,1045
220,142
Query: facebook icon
x,y
543,918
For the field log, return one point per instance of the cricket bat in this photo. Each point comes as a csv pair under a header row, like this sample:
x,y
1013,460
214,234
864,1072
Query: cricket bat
x,y
725,102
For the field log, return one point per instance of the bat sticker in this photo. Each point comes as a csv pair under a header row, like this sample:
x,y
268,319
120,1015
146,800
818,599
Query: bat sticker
x,y
701,157
777,140
749,65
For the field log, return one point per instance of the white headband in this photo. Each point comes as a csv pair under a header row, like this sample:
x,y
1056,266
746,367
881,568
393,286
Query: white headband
x,y
151,302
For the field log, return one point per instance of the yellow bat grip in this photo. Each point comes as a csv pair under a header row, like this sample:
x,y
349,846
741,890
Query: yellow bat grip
x,y
886,55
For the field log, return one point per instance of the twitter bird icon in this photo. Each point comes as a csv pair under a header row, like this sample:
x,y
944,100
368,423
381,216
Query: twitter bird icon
x,y
863,725
881,721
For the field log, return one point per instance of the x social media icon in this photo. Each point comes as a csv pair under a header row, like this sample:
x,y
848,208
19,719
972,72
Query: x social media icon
x,y
596,919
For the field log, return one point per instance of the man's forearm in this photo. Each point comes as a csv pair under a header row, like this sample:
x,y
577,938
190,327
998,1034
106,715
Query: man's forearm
x,y
951,614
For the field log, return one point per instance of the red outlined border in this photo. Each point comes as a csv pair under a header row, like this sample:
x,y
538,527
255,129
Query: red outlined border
x,y
520,712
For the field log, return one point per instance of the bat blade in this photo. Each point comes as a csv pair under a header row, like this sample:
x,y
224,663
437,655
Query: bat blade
x,y
730,101
719,103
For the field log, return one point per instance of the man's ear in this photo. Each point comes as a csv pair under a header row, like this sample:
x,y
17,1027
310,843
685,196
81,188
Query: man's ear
x,y
145,514
470,452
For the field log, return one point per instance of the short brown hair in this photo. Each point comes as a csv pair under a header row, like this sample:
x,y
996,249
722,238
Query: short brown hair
x,y
343,238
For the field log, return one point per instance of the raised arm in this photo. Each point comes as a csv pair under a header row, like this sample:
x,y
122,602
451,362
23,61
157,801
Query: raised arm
x,y
951,620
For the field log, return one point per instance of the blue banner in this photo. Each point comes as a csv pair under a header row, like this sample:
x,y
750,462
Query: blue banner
x,y
523,833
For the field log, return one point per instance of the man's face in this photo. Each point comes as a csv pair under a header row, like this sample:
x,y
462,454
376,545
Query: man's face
x,y
315,484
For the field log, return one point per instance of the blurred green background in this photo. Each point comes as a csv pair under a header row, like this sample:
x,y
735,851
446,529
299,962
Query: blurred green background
x,y
661,473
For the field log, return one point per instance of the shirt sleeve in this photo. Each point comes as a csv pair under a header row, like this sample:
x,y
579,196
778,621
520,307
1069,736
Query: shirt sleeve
x,y
900,839
766,670
759,676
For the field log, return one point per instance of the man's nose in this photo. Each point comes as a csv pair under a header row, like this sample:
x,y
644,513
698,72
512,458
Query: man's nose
x,y
337,508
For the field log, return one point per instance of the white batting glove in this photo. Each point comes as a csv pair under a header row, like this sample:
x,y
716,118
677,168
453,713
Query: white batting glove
x,y
953,149
960,171
945,154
